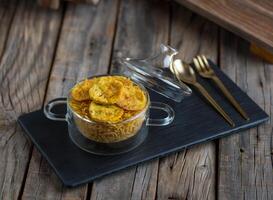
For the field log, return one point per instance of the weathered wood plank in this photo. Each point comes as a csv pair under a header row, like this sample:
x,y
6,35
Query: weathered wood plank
x,y
54,4
250,19
142,26
24,71
49,3
245,160
84,49
7,10
191,173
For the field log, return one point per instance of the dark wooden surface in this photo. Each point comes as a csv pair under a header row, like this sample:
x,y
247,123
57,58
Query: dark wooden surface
x,y
44,52
55,4
251,19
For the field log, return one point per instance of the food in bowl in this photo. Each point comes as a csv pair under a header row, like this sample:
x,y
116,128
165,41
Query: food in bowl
x,y
114,108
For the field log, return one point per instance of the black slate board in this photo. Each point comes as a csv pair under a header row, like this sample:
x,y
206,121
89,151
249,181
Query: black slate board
x,y
195,122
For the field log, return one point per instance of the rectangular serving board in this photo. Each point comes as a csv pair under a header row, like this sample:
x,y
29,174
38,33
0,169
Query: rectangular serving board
x,y
195,122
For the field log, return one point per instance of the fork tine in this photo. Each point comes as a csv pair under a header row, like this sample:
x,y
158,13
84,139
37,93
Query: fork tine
x,y
205,61
201,63
197,65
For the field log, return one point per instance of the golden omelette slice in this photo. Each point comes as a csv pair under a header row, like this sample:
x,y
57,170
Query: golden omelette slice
x,y
106,91
128,114
80,92
105,113
125,81
132,98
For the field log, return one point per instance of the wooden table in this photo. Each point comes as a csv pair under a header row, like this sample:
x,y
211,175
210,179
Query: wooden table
x,y
44,52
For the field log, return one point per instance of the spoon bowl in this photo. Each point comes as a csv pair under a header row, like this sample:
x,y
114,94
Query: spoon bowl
x,y
185,71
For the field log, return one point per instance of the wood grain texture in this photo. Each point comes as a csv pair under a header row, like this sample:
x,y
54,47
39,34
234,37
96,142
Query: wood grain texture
x,y
55,4
24,70
245,160
142,27
84,50
252,20
262,53
50,3
7,10
191,173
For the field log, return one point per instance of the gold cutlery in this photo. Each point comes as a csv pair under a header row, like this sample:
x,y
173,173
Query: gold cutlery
x,y
184,72
202,66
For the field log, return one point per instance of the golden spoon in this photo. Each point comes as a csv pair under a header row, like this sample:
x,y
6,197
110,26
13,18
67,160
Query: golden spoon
x,y
184,72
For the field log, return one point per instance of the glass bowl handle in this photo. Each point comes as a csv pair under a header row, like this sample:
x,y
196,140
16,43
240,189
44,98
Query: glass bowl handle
x,y
163,121
48,109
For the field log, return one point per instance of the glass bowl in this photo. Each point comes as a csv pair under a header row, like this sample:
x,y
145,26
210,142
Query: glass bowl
x,y
109,138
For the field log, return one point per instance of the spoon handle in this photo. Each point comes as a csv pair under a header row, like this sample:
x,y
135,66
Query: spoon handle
x,y
229,96
204,92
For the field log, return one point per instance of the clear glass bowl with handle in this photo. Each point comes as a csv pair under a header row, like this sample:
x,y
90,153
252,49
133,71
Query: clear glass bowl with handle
x,y
109,138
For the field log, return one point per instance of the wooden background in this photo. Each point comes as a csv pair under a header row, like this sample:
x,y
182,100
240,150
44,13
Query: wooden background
x,y
44,52
252,19
55,4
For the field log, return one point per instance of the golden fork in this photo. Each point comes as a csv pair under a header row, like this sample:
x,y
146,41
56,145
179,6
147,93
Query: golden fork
x,y
184,72
202,66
